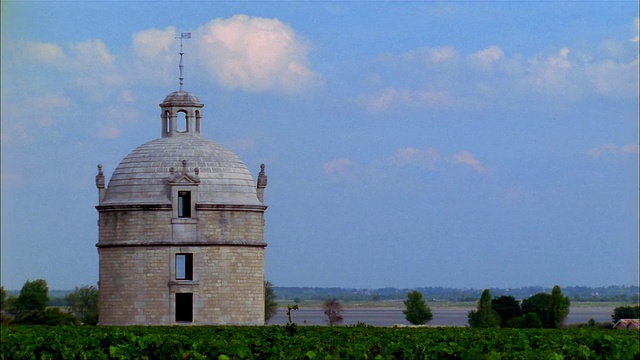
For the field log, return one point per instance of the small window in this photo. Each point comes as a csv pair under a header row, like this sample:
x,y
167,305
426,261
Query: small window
x,y
184,204
184,307
184,266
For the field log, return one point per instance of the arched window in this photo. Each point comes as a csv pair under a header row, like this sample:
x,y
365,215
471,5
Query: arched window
x,y
182,124
167,122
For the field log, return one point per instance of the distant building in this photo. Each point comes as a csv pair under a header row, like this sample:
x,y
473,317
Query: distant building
x,y
628,324
181,229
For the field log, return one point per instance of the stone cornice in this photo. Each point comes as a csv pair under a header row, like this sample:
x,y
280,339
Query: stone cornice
x,y
145,243
167,207
231,207
134,207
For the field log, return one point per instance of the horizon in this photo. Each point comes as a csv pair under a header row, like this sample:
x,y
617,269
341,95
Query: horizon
x,y
473,144
391,287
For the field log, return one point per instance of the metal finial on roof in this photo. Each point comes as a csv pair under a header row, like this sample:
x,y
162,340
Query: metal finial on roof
x,y
186,35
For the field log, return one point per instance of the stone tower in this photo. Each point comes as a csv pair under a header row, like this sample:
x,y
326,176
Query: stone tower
x,y
181,230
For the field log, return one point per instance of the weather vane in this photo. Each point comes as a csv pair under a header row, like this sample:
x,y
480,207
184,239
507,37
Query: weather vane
x,y
183,35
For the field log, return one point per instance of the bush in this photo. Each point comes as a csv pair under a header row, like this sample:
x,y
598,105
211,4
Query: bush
x,y
625,312
530,320
50,316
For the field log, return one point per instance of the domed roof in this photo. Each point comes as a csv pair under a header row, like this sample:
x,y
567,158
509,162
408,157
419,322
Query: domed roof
x,y
181,98
142,177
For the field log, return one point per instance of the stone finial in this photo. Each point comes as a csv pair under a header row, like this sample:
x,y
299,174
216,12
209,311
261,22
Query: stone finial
x,y
171,170
262,183
100,184
184,166
197,171
262,178
100,178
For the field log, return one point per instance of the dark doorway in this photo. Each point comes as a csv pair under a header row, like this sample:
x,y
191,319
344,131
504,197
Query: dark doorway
x,y
184,307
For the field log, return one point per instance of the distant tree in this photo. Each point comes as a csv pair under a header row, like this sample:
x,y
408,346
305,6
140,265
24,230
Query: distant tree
x,y
5,306
34,296
508,308
530,320
484,316
625,312
539,304
83,302
417,311
3,298
333,310
270,303
558,307
296,300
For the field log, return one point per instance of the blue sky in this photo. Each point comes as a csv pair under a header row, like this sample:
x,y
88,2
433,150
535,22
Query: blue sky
x,y
458,144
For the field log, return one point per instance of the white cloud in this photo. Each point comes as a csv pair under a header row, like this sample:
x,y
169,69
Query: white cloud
x,y
485,58
377,102
551,73
255,54
122,114
416,157
90,54
467,158
629,148
442,54
155,55
48,53
340,167
636,29
388,97
613,78
613,149
428,56
436,78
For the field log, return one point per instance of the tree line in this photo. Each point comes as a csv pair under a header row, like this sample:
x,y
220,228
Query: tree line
x,y
31,306
617,293
541,310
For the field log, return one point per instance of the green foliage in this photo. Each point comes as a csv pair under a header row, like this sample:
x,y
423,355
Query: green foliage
x,y
291,326
270,303
33,296
417,311
5,306
530,321
83,301
508,308
484,316
3,298
625,312
558,307
333,311
312,342
50,316
539,304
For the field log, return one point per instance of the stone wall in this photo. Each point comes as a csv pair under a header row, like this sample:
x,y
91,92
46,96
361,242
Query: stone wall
x,y
138,282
